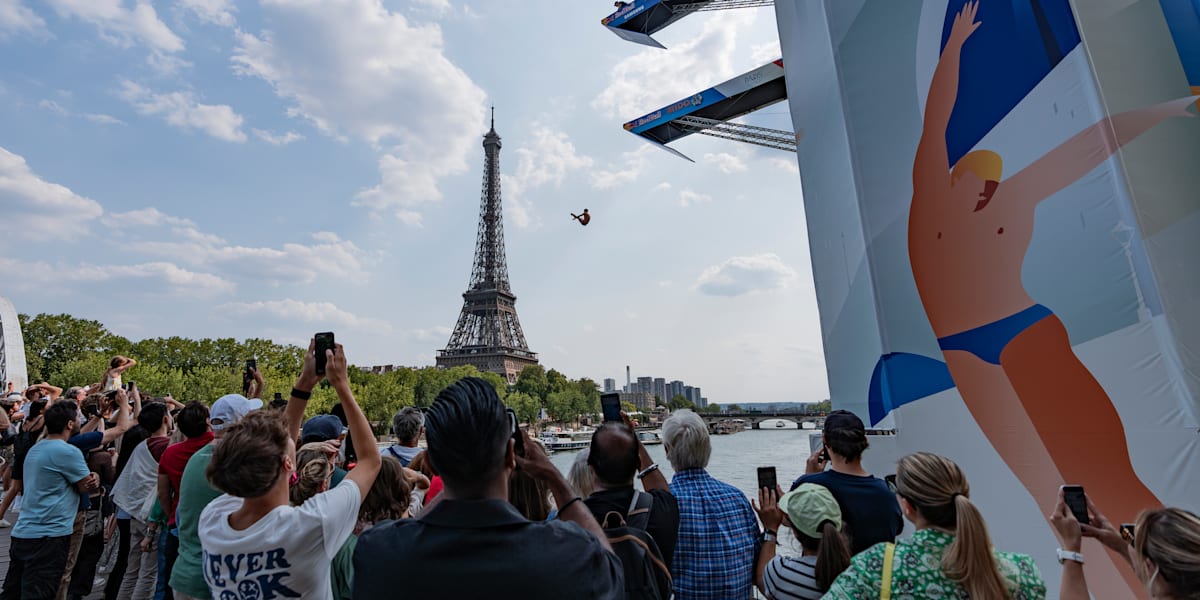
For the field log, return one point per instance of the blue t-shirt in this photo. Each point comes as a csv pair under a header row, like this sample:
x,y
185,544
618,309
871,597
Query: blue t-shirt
x,y
869,508
52,468
86,442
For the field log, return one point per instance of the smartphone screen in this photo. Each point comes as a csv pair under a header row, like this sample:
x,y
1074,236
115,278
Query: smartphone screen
x,y
766,478
251,364
278,395
610,405
323,342
1128,532
1077,502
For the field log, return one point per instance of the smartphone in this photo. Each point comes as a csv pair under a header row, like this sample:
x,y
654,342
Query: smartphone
x,y
890,480
1076,501
278,396
518,436
324,341
766,478
1128,532
610,405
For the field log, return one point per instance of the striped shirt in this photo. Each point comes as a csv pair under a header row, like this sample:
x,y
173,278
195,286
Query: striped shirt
x,y
718,539
787,578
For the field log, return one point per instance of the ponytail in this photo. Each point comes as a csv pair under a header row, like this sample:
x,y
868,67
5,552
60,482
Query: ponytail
x,y
833,556
313,470
969,560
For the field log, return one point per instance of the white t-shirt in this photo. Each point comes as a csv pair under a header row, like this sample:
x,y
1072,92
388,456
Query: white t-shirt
x,y
286,554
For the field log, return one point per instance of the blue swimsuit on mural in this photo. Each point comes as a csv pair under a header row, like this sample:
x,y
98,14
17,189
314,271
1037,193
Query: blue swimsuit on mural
x,y
988,341
902,377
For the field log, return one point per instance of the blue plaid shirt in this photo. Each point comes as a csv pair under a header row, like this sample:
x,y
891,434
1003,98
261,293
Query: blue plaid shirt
x,y
718,539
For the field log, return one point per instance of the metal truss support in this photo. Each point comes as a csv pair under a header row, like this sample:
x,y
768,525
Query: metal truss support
x,y
719,5
740,132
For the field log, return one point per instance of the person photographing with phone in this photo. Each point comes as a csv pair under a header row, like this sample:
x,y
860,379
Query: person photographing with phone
x,y
816,520
869,509
1163,547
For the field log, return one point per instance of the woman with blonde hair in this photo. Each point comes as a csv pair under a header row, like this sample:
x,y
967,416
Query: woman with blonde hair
x,y
1165,543
950,551
388,500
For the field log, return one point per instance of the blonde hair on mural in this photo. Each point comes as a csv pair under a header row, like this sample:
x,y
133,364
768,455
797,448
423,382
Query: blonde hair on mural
x,y
937,488
985,164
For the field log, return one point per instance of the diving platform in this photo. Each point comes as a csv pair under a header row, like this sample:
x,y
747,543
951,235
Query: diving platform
x,y
637,21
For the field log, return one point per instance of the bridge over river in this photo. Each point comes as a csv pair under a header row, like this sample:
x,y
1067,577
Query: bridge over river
x,y
753,419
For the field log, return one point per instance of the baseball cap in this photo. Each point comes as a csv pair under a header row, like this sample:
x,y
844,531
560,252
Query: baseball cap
x,y
844,420
321,428
230,409
810,505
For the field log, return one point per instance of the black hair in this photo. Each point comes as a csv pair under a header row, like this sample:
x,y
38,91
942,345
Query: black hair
x,y
130,440
614,454
467,430
58,415
848,438
151,417
193,419
36,407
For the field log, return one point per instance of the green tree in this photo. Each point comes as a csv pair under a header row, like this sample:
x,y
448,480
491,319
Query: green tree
x,y
734,408
566,406
823,406
51,341
678,402
532,380
527,407
556,382
628,407
712,407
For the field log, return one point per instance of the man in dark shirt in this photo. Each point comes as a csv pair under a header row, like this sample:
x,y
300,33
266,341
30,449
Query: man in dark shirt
x,y
615,457
472,543
869,508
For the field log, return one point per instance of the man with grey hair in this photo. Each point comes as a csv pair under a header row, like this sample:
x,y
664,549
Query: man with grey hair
x,y
718,531
408,425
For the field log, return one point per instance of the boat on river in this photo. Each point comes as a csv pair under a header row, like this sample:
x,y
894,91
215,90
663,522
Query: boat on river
x,y
562,440
650,437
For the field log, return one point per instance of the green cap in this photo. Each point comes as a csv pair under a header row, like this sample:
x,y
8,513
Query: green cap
x,y
810,505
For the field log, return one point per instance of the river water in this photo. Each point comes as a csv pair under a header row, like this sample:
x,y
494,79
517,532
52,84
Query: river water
x,y
736,458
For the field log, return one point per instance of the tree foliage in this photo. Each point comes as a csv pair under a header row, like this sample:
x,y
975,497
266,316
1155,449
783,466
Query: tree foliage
x,y
67,351
680,401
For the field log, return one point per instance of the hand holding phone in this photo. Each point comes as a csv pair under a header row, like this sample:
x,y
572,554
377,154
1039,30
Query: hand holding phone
x,y
1076,501
323,341
766,478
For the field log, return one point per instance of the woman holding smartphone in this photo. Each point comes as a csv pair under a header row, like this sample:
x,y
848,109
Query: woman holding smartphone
x,y
1165,544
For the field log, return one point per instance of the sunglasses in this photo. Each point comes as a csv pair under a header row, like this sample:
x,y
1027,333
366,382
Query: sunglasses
x,y
890,480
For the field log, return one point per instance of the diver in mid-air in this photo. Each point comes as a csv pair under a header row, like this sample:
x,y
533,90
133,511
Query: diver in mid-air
x,y
583,219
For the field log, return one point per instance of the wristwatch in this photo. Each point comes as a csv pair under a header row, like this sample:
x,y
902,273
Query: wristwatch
x,y
648,470
1064,555
769,536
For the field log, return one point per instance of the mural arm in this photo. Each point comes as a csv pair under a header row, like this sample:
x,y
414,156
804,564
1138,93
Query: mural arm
x,y
932,164
1085,151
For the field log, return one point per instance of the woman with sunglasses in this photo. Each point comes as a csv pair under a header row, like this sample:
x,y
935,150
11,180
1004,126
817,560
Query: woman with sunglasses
x,y
1165,545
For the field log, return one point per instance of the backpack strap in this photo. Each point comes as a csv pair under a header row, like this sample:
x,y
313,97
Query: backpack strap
x,y
654,560
885,585
638,515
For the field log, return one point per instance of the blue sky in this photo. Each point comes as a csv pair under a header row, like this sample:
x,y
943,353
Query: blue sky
x,y
275,168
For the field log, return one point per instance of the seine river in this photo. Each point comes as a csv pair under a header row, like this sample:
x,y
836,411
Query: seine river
x,y
736,458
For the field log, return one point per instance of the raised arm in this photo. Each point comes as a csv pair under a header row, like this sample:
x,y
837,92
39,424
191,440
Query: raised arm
x,y
294,413
932,164
1085,151
654,480
570,507
124,421
369,461
256,387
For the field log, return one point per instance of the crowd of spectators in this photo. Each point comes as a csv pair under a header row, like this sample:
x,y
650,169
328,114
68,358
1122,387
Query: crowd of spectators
x,y
241,501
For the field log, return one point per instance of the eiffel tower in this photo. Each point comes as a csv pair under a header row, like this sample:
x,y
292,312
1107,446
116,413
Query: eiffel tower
x,y
488,334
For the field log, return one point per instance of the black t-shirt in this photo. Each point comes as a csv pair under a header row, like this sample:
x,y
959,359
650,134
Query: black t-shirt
x,y
869,508
485,549
664,515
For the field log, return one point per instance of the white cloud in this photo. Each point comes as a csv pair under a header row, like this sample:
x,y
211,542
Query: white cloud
x,y
276,139
182,110
745,274
144,217
438,333
633,164
785,164
653,78
354,68
100,118
765,53
662,187
547,159
217,12
34,207
42,275
687,197
17,18
727,163
325,313
121,25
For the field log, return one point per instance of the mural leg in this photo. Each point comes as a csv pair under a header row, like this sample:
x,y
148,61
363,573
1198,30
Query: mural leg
x,y
1077,422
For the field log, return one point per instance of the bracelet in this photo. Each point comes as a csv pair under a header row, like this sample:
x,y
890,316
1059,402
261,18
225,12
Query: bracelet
x,y
301,394
648,470
563,508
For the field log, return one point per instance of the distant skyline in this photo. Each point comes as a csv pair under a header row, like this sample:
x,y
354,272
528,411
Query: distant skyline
x,y
210,168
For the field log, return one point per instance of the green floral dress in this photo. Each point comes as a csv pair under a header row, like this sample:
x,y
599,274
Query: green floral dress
x,y
917,572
